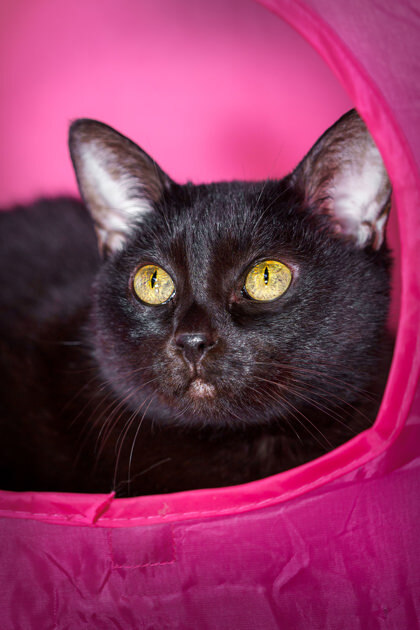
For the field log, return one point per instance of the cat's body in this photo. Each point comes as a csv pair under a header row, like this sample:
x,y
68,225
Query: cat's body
x,y
101,390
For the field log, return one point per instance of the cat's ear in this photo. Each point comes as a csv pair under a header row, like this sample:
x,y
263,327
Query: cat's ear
x,y
344,177
118,181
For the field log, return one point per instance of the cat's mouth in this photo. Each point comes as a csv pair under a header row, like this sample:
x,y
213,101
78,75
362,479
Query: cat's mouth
x,y
198,388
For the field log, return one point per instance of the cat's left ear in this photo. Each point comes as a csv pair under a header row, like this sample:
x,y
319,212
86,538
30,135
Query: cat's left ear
x,y
118,181
343,176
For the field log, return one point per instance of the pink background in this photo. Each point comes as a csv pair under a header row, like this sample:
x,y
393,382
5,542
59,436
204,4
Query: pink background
x,y
212,90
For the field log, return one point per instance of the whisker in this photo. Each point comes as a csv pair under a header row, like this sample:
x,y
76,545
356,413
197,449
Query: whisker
x,y
112,420
142,472
325,395
259,395
327,411
134,442
300,413
316,404
325,377
94,420
182,412
121,440
75,396
110,423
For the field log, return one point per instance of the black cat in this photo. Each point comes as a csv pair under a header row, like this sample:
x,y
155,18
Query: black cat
x,y
227,332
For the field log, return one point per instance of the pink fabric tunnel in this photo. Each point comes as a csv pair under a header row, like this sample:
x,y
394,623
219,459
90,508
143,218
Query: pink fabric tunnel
x,y
332,544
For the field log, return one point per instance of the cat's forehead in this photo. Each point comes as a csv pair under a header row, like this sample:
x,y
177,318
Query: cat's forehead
x,y
219,230
228,219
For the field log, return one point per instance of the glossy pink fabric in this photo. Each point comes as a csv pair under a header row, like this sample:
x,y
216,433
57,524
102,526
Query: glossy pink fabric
x,y
332,544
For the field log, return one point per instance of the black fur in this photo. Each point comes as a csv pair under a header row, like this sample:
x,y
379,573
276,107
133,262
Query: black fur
x,y
94,396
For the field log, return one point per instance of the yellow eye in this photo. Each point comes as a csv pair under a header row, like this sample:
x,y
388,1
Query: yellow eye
x,y
153,285
268,280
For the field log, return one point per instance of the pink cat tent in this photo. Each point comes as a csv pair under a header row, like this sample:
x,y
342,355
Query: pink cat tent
x,y
332,544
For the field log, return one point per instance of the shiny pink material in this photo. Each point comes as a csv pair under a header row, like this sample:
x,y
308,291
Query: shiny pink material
x,y
332,544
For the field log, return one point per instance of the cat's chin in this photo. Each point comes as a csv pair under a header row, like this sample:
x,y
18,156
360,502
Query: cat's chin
x,y
199,389
197,403
201,399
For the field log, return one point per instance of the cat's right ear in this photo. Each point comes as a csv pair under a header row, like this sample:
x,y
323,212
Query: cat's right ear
x,y
118,181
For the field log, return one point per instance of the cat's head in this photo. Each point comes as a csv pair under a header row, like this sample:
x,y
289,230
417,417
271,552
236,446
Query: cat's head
x,y
237,302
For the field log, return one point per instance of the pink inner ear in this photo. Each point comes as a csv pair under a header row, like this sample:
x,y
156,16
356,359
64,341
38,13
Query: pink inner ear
x,y
116,179
344,176
359,200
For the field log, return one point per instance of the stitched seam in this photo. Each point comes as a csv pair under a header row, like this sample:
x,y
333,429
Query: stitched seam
x,y
185,515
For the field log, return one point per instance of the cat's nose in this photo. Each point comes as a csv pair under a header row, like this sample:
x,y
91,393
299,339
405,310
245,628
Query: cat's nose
x,y
194,345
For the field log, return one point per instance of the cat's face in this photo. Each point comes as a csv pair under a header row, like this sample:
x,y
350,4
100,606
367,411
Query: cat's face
x,y
233,302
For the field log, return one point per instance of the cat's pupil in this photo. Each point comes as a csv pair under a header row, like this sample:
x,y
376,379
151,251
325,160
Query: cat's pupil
x,y
266,275
153,279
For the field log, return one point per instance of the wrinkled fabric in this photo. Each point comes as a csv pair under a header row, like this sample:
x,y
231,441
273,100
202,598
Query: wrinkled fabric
x,y
345,555
332,544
